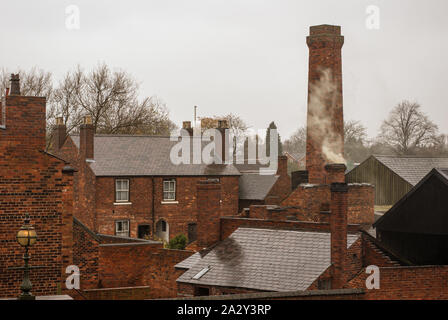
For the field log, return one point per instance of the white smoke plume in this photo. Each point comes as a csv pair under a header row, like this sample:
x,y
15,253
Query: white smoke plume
x,y
322,104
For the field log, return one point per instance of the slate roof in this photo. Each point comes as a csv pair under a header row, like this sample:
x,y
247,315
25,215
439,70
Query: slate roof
x,y
253,186
411,169
133,155
266,259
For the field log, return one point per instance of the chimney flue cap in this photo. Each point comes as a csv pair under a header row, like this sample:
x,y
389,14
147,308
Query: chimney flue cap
x,y
59,121
87,119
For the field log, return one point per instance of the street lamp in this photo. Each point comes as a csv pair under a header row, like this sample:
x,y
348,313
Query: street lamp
x,y
26,237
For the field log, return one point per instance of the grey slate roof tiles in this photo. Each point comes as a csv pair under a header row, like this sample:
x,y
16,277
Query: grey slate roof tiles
x,y
265,259
133,155
253,186
412,169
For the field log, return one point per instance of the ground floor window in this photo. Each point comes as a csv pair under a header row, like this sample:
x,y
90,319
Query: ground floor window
x,y
202,291
122,228
144,231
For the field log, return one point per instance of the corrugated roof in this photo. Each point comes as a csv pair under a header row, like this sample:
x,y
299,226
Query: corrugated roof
x,y
133,155
411,169
253,186
266,259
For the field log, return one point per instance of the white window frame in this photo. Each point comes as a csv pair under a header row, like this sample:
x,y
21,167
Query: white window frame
x,y
170,194
125,230
121,191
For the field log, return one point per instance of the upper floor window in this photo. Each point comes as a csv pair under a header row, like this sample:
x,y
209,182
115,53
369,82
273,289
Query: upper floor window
x,y
122,228
121,190
169,189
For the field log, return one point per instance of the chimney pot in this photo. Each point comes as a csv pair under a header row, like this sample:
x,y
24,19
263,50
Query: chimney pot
x,y
335,172
15,84
87,119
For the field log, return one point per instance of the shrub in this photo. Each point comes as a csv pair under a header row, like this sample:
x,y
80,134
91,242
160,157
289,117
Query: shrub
x,y
179,242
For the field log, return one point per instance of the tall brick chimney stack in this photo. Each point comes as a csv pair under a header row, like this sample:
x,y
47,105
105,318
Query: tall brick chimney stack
x,y
335,173
208,212
186,125
222,144
60,133
86,135
15,85
325,44
338,229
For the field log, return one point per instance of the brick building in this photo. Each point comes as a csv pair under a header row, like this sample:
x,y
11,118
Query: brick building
x,y
127,185
35,182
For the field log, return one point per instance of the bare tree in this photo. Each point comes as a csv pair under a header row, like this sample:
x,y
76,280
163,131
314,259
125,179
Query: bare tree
x,y
407,129
296,143
354,132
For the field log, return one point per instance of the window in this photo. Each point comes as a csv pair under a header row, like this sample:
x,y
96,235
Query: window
x,y
169,189
163,226
201,291
122,228
324,284
122,190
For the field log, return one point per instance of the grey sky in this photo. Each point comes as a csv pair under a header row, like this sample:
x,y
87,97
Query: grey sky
x,y
247,57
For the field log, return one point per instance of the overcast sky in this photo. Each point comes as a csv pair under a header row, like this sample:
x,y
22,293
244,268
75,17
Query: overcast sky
x,y
248,57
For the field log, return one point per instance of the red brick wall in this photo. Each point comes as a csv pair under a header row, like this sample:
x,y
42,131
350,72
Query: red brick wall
x,y
86,255
32,182
420,282
178,215
310,200
130,293
151,266
208,212
325,43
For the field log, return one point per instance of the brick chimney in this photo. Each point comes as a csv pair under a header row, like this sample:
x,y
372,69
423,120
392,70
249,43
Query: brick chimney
x,y
15,85
186,125
60,133
338,229
208,212
86,135
325,44
282,166
335,172
22,120
222,144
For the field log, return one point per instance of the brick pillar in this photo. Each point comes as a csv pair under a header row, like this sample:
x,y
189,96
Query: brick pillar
x,y
208,212
335,173
338,229
325,43
282,166
86,135
15,85
222,143
60,133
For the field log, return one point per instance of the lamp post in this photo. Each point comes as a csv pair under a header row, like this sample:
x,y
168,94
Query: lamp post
x,y
26,237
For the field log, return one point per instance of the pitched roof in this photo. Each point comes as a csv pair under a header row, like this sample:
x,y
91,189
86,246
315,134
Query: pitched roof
x,y
411,169
265,259
133,155
433,221
253,186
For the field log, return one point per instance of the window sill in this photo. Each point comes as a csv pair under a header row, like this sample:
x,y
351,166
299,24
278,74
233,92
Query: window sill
x,y
122,203
170,202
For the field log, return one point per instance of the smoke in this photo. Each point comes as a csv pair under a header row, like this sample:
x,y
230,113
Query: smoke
x,y
321,121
